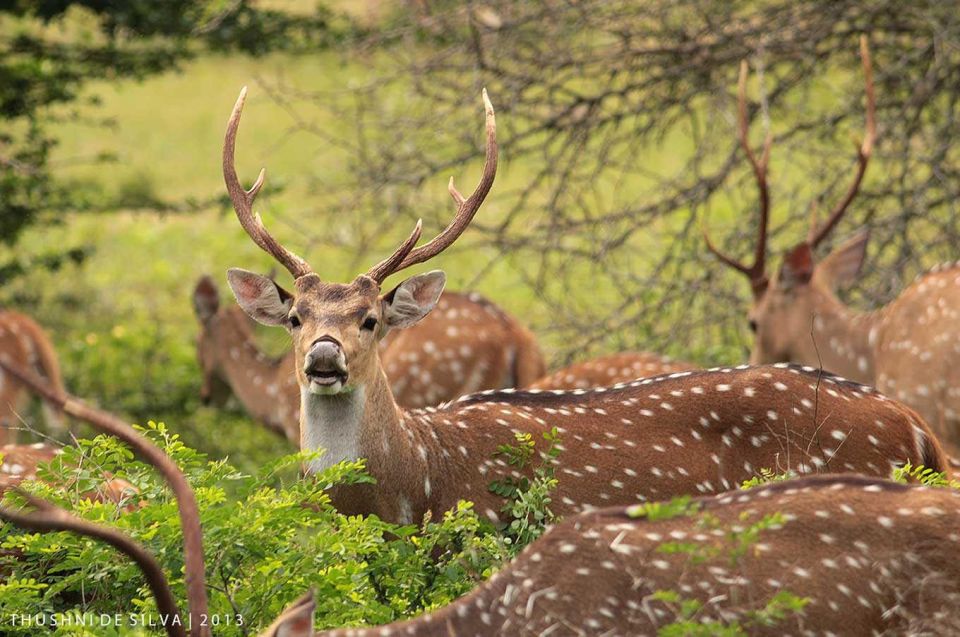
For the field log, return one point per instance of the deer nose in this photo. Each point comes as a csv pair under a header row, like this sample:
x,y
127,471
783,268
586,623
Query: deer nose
x,y
325,356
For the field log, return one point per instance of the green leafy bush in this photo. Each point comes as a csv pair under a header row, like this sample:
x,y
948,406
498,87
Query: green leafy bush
x,y
267,537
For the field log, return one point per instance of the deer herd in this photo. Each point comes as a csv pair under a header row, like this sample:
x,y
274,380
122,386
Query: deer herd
x,y
428,385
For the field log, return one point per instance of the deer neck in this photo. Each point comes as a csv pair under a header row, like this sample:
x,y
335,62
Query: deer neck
x,y
347,425
254,377
843,339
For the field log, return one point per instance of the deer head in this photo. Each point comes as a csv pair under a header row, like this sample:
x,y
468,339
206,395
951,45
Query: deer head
x,y
335,327
780,315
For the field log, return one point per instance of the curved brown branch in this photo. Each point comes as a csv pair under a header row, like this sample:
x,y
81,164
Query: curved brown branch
x,y
48,518
195,573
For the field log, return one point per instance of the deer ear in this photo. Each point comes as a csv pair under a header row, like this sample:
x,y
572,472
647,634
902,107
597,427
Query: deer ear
x,y
797,267
206,299
295,621
413,299
262,299
842,266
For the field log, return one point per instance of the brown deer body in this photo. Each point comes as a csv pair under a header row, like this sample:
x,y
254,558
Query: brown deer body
x,y
869,556
466,345
608,370
909,349
687,432
25,342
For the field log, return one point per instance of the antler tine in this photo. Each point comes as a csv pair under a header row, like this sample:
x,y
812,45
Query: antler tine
x,y
243,199
385,268
756,271
466,207
49,518
186,500
863,152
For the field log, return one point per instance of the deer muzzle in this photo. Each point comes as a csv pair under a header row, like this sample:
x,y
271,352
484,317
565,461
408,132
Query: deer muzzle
x,y
325,366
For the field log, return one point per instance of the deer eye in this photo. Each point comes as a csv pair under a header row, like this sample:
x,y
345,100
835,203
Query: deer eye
x,y
370,323
294,320
753,326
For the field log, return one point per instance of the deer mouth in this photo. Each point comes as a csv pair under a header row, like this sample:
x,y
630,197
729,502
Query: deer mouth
x,y
326,380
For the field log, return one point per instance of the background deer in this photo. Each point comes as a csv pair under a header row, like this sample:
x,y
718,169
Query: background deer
x,y
600,572
686,432
608,370
22,340
909,349
466,345
21,462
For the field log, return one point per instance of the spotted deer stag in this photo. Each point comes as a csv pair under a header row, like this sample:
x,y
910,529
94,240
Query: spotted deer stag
x,y
467,344
909,349
608,370
22,340
868,557
48,517
686,432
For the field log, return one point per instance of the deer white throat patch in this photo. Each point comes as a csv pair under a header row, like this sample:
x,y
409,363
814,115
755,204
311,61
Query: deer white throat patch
x,y
331,423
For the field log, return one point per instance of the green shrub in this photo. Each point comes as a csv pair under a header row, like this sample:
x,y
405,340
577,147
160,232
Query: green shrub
x,y
267,537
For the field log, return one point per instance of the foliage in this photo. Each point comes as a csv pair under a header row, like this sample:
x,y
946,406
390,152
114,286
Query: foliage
x,y
528,500
923,475
51,51
767,476
268,538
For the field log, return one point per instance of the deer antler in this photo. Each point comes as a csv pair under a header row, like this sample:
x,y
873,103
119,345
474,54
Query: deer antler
x,y
186,500
816,235
388,266
48,517
243,199
406,255
756,272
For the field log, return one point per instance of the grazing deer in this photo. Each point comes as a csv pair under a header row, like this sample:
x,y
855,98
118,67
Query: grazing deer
x,y
20,462
466,345
230,359
24,341
909,349
611,369
650,438
867,555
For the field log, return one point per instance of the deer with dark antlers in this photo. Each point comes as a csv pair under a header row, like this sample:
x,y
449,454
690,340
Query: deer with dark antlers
x,y
686,432
909,349
467,344
865,556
